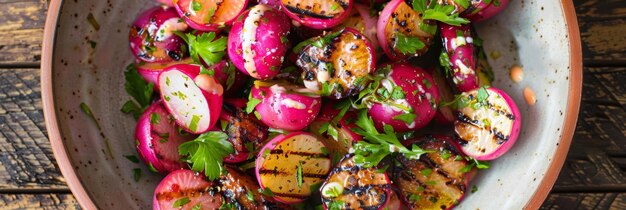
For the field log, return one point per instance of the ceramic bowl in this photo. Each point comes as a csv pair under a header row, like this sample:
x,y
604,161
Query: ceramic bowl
x,y
82,64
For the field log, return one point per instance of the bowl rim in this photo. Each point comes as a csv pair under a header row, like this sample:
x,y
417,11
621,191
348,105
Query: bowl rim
x,y
539,196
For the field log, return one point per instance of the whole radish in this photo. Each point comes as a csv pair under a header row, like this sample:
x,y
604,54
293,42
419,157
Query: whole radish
x,y
186,189
209,15
317,14
157,139
257,42
401,31
284,106
403,96
459,60
193,98
337,65
152,37
488,123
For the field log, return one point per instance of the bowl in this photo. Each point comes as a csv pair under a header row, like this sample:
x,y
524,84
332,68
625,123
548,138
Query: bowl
x,y
83,63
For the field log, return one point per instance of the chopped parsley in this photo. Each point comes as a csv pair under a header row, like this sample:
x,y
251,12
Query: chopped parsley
x,y
140,90
408,44
181,202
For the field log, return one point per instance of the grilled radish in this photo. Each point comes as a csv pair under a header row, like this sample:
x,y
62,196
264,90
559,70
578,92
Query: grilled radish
x,y
244,131
335,133
438,180
152,37
185,189
157,139
336,65
317,14
209,15
401,31
488,125
193,99
350,186
290,164
242,192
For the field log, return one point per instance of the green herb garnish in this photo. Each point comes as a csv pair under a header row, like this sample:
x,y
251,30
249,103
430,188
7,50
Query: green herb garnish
x,y
206,153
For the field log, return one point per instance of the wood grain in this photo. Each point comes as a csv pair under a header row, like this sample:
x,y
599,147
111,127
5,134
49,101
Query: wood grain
x,y
21,31
26,159
38,201
602,29
575,201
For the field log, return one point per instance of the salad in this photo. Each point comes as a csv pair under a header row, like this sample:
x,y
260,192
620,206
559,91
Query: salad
x,y
326,104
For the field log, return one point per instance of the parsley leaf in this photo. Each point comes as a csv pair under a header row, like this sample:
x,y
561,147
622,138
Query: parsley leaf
x,y
407,118
252,102
181,202
137,88
408,44
207,152
462,3
446,14
206,47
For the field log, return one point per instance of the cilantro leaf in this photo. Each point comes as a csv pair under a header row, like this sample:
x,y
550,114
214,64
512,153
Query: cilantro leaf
x,y
139,89
207,152
206,47
408,44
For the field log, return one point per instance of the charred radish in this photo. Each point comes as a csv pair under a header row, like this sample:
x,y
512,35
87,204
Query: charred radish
x,y
244,131
185,189
209,15
317,14
152,37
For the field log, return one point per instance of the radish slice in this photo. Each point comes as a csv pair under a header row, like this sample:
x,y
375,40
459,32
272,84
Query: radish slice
x,y
317,14
398,25
406,99
290,164
482,11
438,180
337,65
283,106
458,44
209,15
157,139
244,131
185,189
243,191
490,124
193,99
152,37
257,42
350,186
361,20
150,71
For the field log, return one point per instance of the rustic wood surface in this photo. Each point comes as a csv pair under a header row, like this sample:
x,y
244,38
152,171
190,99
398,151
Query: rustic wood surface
x,y
593,177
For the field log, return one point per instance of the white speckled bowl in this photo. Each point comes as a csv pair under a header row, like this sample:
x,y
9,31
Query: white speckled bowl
x,y
542,36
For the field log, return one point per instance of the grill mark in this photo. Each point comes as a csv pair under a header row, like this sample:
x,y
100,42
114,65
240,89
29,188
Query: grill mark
x,y
353,190
500,111
299,153
307,12
193,192
495,133
276,172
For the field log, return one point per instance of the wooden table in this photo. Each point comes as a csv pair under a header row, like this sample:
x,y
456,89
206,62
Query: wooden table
x,y
593,177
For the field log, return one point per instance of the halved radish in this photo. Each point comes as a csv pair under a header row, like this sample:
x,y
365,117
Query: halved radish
x,y
283,106
400,26
193,99
157,139
290,164
489,125
438,180
337,64
257,42
152,37
406,99
342,127
481,11
209,15
244,131
362,20
461,66
350,186
317,14
231,79
150,71
185,189
243,191
445,114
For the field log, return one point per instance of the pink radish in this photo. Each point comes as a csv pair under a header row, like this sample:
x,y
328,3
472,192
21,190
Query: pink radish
x,y
257,42
185,189
489,124
245,132
317,14
406,99
193,99
231,79
364,22
150,71
283,106
290,164
438,180
157,139
209,15
461,66
350,186
337,64
243,191
400,27
152,37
